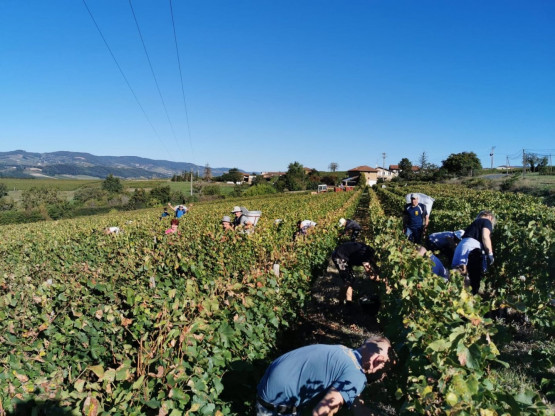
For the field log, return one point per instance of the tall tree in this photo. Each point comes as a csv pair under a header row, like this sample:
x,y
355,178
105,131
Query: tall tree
x,y
112,184
462,163
259,180
36,196
161,193
138,199
3,190
405,168
233,175
542,163
207,172
236,175
333,166
295,178
423,161
532,160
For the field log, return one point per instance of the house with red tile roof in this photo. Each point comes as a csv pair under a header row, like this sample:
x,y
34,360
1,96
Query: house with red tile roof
x,y
365,174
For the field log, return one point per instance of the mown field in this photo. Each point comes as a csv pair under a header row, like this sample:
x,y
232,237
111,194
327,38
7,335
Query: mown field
x,y
74,184
14,184
144,323
67,188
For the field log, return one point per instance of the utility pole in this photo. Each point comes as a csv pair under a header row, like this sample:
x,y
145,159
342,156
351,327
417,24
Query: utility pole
x,y
550,165
383,160
523,163
191,181
491,154
507,165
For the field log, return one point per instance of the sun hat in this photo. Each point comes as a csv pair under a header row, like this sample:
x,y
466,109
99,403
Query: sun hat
x,y
414,196
236,209
226,219
342,222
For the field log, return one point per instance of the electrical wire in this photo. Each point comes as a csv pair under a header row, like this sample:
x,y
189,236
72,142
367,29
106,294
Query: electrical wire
x,y
540,152
154,76
181,78
123,75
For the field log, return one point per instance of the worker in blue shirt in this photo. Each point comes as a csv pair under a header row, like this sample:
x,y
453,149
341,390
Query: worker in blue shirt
x,y
474,253
415,220
438,268
165,213
324,376
180,210
445,242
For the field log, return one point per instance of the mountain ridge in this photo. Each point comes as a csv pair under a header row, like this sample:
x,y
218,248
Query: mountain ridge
x,y
20,163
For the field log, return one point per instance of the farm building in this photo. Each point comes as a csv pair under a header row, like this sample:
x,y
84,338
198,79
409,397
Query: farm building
x,y
364,173
386,174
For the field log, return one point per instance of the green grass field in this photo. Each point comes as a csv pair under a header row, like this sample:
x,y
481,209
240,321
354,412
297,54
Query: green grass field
x,y
14,184
185,187
67,187
537,181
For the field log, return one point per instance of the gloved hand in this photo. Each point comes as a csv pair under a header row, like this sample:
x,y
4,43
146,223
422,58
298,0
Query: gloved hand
x,y
490,259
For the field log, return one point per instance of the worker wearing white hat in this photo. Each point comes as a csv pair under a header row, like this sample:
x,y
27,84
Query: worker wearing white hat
x,y
350,225
226,223
240,220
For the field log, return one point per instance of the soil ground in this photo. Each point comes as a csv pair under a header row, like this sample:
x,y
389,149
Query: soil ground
x,y
327,319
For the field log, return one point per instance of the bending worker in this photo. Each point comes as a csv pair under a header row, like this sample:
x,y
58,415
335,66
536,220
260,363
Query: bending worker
x,y
438,268
332,373
303,228
350,225
446,242
351,254
475,251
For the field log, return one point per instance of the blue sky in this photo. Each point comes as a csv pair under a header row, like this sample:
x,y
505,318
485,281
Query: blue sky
x,y
272,82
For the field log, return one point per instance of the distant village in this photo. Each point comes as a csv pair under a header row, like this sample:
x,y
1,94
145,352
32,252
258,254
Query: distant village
x,y
370,175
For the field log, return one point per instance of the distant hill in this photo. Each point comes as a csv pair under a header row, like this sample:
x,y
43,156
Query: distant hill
x,y
20,163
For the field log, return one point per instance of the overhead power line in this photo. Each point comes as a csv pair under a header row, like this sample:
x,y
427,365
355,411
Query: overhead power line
x,y
181,78
154,75
123,75
540,150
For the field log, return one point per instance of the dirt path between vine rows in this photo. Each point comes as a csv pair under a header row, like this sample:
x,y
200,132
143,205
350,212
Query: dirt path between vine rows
x,y
326,319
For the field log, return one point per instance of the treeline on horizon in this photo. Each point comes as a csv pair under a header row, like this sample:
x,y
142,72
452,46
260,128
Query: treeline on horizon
x,y
47,203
